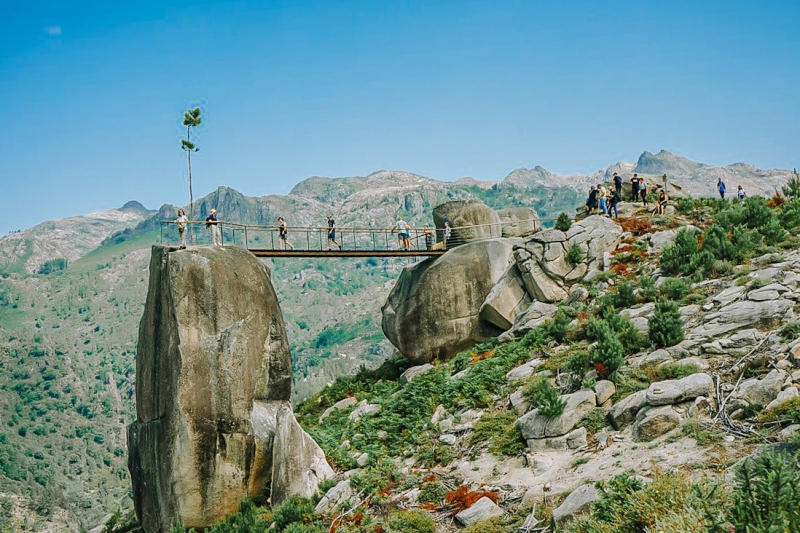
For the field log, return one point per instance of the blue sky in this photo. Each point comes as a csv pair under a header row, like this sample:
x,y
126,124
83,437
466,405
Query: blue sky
x,y
92,93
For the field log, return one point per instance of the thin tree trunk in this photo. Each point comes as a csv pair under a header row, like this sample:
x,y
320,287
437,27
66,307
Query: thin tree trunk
x,y
191,197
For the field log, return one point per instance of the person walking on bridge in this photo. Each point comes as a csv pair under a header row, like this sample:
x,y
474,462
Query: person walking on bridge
x,y
332,232
283,242
403,233
213,227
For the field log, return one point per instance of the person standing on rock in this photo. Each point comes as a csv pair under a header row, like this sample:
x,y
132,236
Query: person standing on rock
x,y
182,221
643,190
614,198
591,203
332,232
721,188
635,187
618,184
283,235
403,233
213,226
448,231
602,195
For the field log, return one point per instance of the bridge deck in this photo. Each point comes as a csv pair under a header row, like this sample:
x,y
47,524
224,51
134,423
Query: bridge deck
x,y
267,252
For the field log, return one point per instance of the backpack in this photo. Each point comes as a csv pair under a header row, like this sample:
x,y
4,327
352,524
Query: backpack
x,y
617,180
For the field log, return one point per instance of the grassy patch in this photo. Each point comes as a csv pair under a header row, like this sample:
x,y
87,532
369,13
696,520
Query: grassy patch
x,y
500,431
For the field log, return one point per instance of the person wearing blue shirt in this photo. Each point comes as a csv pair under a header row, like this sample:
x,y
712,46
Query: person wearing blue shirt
x,y
721,188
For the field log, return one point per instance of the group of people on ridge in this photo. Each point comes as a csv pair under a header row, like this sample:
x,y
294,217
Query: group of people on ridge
x,y
607,199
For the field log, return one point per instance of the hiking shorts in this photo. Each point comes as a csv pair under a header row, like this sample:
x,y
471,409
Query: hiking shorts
x,y
332,236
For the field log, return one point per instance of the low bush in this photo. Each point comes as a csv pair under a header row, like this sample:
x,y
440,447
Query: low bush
x,y
607,355
674,258
500,431
665,327
625,296
432,492
546,398
788,410
411,522
790,332
675,288
593,421
574,254
647,288
563,222
670,371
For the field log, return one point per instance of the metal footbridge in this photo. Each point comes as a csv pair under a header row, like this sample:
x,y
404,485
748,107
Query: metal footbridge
x,y
266,241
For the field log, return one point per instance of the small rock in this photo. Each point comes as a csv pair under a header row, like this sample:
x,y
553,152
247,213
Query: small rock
x,y
789,431
679,390
362,460
382,435
438,414
523,371
448,439
362,409
335,496
578,502
784,396
653,422
483,509
656,357
761,391
341,404
624,412
604,390
414,371
520,402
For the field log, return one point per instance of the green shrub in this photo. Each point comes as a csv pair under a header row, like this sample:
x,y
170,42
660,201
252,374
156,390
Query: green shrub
x,y
574,254
647,288
788,410
792,188
501,431
675,288
790,214
756,212
492,525
790,331
563,222
546,398
607,354
721,268
624,297
578,364
670,503
411,522
673,258
773,232
670,371
718,244
297,509
665,327
558,327
432,492
767,494
593,421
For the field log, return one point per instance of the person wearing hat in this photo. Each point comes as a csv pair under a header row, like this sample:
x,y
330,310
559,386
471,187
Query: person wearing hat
x,y
212,225
332,233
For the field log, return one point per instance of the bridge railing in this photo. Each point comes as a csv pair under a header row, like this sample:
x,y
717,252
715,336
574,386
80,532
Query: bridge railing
x,y
305,238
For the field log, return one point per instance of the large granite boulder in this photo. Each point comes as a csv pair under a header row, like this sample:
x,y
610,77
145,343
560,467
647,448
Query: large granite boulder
x,y
519,221
745,314
577,503
624,411
655,421
433,311
471,220
542,259
761,391
212,347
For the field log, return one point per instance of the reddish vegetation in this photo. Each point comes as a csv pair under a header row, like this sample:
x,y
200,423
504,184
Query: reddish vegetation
x,y
355,520
621,269
637,226
481,356
463,498
429,478
776,201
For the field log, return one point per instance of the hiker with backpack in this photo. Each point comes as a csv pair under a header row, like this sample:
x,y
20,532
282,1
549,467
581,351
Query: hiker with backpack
x,y
213,226
283,235
618,184
182,222
591,202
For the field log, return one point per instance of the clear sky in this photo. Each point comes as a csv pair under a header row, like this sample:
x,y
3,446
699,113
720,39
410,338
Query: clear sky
x,y
92,93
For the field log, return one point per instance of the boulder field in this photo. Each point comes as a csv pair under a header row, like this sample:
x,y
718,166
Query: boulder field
x,y
214,424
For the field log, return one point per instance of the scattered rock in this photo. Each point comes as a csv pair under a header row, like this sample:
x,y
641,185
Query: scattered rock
x,y
414,371
520,402
784,396
341,404
604,390
536,426
655,421
362,460
744,314
483,509
573,440
660,239
335,497
448,439
364,409
761,391
524,370
624,412
679,390
578,502
507,300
